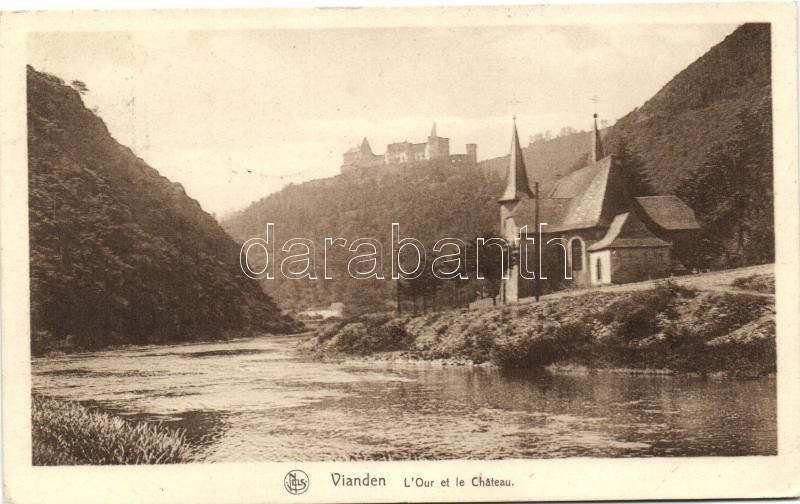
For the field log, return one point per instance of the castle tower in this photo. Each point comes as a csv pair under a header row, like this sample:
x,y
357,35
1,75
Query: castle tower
x,y
472,153
597,144
436,146
517,189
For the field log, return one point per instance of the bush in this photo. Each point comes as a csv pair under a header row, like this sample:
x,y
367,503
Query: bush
x,y
68,433
552,344
637,316
367,334
758,283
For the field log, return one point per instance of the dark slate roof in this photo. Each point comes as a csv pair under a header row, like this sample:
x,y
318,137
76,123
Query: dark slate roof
x,y
575,183
552,211
668,212
586,198
517,186
627,231
587,209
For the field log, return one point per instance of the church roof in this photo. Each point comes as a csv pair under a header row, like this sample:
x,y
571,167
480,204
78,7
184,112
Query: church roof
x,y
586,198
627,231
595,196
573,184
591,208
552,211
517,186
668,212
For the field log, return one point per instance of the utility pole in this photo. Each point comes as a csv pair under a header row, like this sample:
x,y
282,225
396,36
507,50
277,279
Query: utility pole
x,y
538,245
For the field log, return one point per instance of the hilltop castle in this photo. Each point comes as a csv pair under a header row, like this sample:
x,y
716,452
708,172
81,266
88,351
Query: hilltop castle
x,y
405,152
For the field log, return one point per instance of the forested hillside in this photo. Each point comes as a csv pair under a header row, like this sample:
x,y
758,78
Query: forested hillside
x,y
429,200
697,110
118,253
549,159
705,136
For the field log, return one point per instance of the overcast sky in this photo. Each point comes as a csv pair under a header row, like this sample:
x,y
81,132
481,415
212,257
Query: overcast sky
x,y
234,116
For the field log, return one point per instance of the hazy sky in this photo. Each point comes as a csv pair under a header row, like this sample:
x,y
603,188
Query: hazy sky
x,y
235,115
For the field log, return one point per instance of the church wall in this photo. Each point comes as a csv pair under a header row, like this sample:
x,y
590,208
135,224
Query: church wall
x,y
684,246
637,264
582,277
600,267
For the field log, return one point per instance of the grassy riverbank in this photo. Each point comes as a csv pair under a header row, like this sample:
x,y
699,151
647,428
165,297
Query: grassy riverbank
x,y
666,328
67,433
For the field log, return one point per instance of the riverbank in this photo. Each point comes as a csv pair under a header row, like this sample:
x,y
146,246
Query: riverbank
x,y
68,348
67,433
664,329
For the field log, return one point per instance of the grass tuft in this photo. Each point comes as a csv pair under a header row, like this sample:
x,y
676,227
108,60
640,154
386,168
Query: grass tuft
x,y
67,433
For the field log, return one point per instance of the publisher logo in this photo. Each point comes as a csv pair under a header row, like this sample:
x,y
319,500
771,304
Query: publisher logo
x,y
296,482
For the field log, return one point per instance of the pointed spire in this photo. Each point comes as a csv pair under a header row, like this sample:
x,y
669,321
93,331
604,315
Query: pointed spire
x,y
597,144
517,186
433,130
365,148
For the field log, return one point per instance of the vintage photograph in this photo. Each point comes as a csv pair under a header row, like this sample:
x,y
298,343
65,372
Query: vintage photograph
x,y
402,243
407,254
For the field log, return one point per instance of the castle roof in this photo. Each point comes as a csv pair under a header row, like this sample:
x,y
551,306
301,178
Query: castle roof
x,y
627,231
364,148
517,186
668,212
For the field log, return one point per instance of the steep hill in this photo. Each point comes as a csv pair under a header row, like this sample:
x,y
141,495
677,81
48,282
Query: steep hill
x,y
118,253
697,110
705,136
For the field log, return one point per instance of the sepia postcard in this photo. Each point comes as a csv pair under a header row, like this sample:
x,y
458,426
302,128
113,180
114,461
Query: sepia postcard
x,y
400,254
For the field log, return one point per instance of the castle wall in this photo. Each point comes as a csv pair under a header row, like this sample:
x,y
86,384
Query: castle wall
x,y
435,148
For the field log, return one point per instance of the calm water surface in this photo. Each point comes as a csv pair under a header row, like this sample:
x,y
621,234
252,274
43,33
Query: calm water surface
x,y
257,400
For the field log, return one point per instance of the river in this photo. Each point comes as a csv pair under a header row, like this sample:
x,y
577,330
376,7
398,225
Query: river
x,y
258,400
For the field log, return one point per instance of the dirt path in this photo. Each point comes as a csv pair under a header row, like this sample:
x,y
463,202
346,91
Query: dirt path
x,y
718,281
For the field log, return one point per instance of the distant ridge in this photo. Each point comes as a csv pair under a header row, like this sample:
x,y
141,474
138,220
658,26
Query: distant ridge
x,y
698,113
550,159
118,253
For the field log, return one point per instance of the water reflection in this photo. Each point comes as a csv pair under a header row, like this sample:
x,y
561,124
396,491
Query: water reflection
x,y
255,400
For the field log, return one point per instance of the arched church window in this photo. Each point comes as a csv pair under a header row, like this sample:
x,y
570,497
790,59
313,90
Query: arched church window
x,y
577,255
599,270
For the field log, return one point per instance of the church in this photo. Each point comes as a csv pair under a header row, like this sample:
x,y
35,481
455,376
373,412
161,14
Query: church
x,y
602,233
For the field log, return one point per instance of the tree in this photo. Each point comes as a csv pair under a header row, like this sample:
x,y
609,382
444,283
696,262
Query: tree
x,y
490,266
635,178
79,86
731,192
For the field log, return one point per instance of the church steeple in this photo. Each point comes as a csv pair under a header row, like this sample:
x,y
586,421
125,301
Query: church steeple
x,y
517,186
597,144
